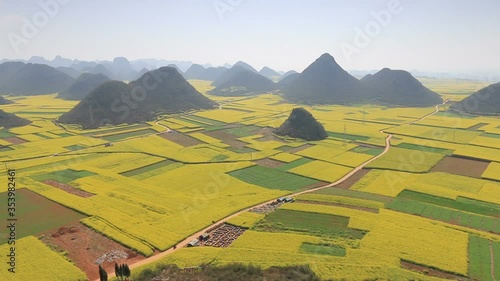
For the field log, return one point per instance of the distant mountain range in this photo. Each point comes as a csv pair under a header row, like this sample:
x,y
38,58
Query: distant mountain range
x,y
398,87
32,79
239,80
116,102
483,102
199,72
65,65
324,81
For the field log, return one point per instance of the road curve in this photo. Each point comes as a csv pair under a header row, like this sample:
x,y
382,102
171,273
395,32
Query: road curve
x,y
184,242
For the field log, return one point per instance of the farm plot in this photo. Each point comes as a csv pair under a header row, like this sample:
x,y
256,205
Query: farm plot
x,y
492,172
35,261
122,136
342,200
444,214
272,178
181,139
64,176
420,241
286,157
476,152
358,219
461,166
316,249
408,160
149,169
479,259
37,214
85,247
246,219
353,194
322,171
325,151
435,133
310,223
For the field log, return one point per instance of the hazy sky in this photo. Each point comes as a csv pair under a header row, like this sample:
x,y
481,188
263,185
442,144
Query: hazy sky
x,y
430,35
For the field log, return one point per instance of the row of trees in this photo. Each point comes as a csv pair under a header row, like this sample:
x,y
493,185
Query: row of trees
x,y
122,272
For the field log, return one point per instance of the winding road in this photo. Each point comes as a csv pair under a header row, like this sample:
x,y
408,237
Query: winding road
x,y
184,242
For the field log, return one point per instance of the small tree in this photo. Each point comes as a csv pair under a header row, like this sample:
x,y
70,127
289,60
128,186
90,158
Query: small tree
x,y
103,275
126,271
118,271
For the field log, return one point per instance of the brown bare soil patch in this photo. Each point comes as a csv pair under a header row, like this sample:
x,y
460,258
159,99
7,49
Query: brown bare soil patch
x,y
85,246
353,179
269,163
15,140
227,138
431,271
461,166
477,126
317,184
68,188
180,138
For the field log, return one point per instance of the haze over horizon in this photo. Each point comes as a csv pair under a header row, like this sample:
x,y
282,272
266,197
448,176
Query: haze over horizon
x,y
445,36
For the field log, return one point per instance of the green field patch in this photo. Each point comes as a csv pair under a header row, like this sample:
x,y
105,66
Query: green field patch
x,y
479,258
354,194
446,215
63,176
147,168
5,148
75,147
41,136
117,137
205,120
64,135
425,148
219,158
347,136
272,178
489,135
36,214
244,131
4,133
294,164
310,223
368,150
471,206
454,114
316,249
193,122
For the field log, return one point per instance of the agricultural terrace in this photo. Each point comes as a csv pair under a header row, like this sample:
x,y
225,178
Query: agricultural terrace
x,y
412,213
